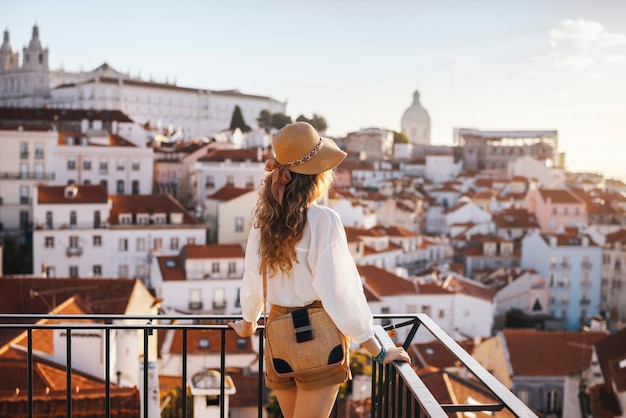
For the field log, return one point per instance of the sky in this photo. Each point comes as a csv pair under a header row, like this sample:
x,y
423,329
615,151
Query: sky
x,y
485,64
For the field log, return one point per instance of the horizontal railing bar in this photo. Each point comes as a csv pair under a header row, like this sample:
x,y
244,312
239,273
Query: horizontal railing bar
x,y
170,317
473,407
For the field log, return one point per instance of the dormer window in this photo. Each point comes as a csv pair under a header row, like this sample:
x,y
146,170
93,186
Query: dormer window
x,y
159,218
176,218
70,192
125,218
143,218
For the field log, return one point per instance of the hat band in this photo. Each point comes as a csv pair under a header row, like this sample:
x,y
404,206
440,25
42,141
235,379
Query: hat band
x,y
306,157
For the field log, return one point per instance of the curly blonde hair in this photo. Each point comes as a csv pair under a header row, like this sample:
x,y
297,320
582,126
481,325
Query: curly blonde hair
x,y
281,225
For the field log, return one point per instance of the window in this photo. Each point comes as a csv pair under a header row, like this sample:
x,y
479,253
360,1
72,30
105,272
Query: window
x,y
426,309
210,182
23,149
553,280
552,400
49,222
49,242
104,166
97,240
24,195
215,267
523,395
141,244
135,187
126,218
141,271
71,163
123,245
50,271
73,218
39,154
174,243
96,219
73,241
87,164
158,243
97,270
191,241
230,180
39,174
119,186
219,298
232,267
135,165
73,272
239,224
123,271
442,313
120,165
24,170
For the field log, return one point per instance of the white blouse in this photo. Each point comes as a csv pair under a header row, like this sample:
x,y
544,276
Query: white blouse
x,y
325,271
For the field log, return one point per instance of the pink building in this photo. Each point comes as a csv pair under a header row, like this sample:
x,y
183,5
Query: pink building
x,y
556,208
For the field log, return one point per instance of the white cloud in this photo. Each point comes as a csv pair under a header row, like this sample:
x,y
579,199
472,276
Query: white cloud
x,y
583,43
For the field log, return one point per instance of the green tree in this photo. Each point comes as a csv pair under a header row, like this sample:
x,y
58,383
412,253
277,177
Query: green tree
x,y
318,121
264,120
236,121
280,119
400,138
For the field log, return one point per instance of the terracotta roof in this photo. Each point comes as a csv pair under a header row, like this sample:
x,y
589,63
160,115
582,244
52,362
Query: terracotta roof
x,y
435,354
617,236
219,251
114,140
247,384
213,337
469,287
385,283
151,204
611,352
85,194
171,268
515,218
559,196
549,353
241,155
37,296
604,402
226,193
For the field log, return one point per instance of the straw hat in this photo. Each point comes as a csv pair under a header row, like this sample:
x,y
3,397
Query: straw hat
x,y
300,149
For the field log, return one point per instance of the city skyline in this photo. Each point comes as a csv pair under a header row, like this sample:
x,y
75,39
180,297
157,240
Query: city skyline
x,y
485,65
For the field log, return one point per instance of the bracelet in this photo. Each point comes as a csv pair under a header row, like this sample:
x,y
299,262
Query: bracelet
x,y
381,356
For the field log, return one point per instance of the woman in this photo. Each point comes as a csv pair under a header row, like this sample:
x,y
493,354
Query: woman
x,y
303,248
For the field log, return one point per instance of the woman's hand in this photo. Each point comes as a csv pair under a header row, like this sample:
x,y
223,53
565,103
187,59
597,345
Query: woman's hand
x,y
243,328
396,354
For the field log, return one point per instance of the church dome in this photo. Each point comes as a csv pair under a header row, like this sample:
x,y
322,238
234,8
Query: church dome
x,y
415,122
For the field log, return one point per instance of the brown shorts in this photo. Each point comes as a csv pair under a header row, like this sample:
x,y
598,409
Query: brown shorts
x,y
309,382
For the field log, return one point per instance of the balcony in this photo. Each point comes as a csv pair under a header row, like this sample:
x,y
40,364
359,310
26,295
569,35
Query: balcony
x,y
26,176
396,390
74,251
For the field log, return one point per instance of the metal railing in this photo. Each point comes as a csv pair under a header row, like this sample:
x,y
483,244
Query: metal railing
x,y
397,391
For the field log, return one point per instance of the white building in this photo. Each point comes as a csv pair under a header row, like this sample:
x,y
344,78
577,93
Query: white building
x,y
241,168
26,159
229,215
100,157
195,112
202,279
441,168
81,232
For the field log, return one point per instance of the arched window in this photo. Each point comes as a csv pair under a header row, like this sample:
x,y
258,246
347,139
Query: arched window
x,y
120,187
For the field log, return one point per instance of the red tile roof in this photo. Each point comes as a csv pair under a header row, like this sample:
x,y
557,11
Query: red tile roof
x,y
171,268
559,196
611,352
549,353
226,193
435,354
385,283
151,204
240,155
219,251
85,194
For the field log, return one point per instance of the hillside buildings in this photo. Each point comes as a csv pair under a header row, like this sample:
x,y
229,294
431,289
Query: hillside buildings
x,y
193,112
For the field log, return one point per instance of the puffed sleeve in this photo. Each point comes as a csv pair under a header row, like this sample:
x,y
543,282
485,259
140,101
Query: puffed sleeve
x,y
336,279
251,293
